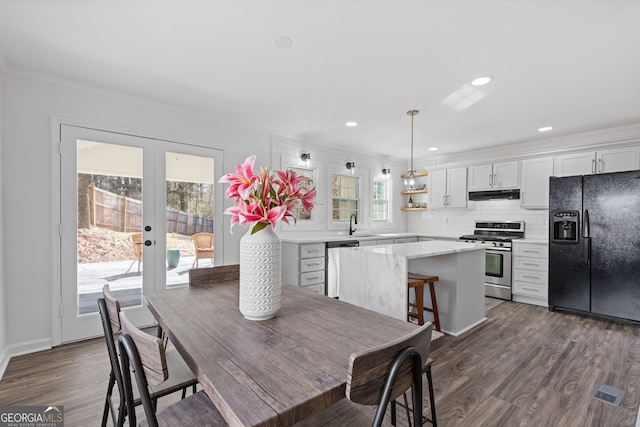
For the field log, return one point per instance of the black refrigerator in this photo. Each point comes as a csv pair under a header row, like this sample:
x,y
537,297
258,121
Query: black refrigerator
x,y
594,245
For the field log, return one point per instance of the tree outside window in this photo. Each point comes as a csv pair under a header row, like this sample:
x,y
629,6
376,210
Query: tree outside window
x,y
344,197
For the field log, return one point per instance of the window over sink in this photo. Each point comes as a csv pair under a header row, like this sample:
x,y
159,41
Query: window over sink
x,y
344,196
380,196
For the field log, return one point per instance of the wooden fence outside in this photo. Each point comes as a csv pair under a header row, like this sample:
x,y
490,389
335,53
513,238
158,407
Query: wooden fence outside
x,y
120,213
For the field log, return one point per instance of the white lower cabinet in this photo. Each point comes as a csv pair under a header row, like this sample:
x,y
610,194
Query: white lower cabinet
x,y
530,273
303,264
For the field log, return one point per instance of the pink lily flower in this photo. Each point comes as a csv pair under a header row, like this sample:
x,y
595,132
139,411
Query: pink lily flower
x,y
241,181
266,198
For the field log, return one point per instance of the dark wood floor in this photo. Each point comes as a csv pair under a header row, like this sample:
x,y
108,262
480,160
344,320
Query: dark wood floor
x,y
524,366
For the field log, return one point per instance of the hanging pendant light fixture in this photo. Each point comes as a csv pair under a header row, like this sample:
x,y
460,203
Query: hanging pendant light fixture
x,y
410,177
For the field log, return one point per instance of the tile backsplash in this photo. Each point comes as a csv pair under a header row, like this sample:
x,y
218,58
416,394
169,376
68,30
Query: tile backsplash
x,y
461,221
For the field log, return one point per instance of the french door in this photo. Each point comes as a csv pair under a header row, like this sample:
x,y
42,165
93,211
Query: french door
x,y
128,207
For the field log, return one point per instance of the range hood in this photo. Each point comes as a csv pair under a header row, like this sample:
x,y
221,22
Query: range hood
x,y
495,195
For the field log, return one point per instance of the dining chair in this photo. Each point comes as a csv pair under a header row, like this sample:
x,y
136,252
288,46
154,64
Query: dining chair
x,y
379,376
203,243
181,376
145,356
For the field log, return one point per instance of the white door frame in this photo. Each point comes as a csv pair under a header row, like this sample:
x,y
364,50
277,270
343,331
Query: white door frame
x,y
56,192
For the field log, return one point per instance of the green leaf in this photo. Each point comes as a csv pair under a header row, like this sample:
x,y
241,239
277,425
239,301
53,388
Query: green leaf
x,y
259,226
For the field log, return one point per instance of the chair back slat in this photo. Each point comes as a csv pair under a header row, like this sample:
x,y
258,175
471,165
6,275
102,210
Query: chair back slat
x,y
369,369
113,309
204,276
151,350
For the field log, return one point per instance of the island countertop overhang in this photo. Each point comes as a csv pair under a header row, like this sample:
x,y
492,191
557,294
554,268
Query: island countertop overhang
x,y
420,249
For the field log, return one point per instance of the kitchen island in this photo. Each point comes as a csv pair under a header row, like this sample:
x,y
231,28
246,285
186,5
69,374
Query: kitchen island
x,y
375,277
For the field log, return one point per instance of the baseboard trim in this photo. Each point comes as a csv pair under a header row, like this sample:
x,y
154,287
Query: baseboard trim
x,y
23,348
543,302
4,361
468,328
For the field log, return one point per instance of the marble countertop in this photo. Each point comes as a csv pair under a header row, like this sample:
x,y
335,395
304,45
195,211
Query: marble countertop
x,y
420,249
321,238
326,237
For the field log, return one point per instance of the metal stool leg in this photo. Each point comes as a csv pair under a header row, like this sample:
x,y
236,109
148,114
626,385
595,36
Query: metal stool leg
x,y
432,400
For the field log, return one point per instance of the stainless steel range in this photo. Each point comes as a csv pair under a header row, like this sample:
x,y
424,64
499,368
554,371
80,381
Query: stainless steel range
x,y
496,237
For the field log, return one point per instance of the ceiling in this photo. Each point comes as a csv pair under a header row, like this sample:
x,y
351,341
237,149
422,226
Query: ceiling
x,y
570,64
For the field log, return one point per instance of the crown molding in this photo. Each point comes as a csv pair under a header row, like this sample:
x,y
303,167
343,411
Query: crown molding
x,y
246,125
578,141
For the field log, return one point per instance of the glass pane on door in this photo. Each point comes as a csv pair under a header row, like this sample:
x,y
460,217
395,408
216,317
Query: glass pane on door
x,y
189,215
109,238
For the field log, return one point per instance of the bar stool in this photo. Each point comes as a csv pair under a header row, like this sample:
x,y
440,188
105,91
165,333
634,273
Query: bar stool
x,y
417,282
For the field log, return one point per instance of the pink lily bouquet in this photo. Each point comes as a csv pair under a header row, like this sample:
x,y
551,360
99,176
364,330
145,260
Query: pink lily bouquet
x,y
267,197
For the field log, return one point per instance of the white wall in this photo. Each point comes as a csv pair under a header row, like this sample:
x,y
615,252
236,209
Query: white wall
x,y
328,161
28,105
3,324
457,222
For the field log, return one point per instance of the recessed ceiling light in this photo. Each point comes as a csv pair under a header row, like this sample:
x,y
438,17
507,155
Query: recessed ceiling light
x,y
545,129
433,148
283,42
481,81
351,124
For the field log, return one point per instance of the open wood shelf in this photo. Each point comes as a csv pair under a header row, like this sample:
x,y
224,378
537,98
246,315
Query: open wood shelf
x,y
414,191
413,209
417,174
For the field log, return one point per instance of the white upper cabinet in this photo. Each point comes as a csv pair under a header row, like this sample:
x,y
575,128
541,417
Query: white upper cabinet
x,y
448,188
494,176
534,191
592,162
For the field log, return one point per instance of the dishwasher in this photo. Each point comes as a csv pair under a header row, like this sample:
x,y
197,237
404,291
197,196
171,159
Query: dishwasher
x,y
333,264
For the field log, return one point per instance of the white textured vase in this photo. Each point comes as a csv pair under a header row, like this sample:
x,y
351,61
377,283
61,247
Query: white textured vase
x,y
260,274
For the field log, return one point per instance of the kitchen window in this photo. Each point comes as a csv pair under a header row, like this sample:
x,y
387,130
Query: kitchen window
x,y
380,200
344,197
299,213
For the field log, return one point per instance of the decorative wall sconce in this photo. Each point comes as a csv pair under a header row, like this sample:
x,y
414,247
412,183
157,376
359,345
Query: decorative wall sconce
x,y
386,171
352,167
306,158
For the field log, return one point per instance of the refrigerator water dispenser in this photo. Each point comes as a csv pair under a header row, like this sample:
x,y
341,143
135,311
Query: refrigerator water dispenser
x,y
565,226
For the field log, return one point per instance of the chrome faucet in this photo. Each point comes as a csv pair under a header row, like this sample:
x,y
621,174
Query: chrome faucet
x,y
353,217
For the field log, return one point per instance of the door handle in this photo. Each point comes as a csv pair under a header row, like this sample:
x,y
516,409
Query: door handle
x,y
599,165
593,166
444,200
522,198
147,242
490,180
494,182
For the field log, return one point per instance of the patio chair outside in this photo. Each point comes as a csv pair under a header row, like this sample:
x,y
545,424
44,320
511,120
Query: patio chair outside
x,y
204,247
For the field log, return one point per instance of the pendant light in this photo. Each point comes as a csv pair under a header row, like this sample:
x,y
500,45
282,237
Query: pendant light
x,y
410,179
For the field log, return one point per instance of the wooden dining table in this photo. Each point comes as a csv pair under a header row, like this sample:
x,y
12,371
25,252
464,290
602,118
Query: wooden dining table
x,y
274,372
